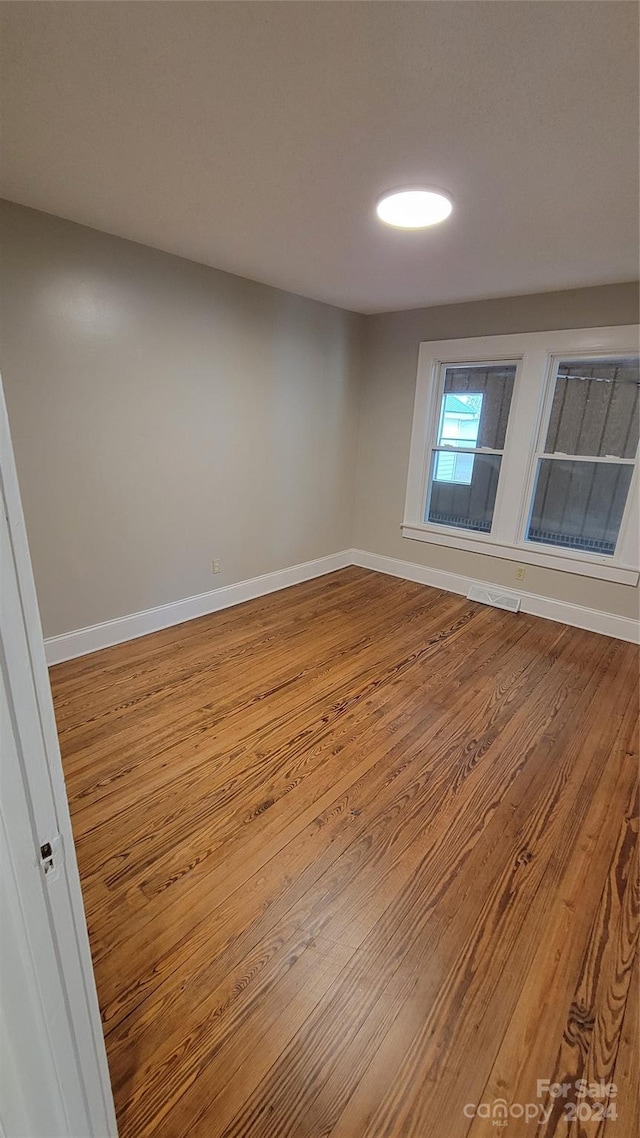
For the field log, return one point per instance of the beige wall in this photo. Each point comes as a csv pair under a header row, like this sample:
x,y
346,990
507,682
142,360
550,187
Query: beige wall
x,y
164,414
390,363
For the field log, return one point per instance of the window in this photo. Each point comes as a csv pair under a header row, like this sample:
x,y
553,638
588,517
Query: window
x,y
525,447
584,473
469,445
459,427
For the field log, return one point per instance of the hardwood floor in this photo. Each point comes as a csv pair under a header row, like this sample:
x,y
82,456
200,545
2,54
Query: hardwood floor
x,y
358,858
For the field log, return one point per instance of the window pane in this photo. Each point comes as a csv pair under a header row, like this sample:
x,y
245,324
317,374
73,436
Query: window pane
x,y
452,467
476,405
460,420
595,408
461,503
579,505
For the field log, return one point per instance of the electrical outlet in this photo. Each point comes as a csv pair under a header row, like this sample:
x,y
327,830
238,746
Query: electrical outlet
x,y
215,565
520,572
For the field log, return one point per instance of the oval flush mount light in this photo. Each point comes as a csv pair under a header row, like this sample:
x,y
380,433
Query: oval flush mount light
x,y
413,208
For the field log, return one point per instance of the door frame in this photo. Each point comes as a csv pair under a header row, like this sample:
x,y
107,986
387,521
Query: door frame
x,y
82,1072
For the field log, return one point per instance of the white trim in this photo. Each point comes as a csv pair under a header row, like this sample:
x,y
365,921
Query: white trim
x,y
593,620
60,951
535,355
605,459
604,569
109,632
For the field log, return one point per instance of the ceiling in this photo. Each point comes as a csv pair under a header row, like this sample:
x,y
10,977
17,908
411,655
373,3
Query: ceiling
x,y
256,137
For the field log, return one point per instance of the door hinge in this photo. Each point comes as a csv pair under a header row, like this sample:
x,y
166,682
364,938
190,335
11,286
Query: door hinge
x,y
51,857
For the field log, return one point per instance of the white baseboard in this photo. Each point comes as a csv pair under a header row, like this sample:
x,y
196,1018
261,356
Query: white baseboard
x,y
593,620
96,636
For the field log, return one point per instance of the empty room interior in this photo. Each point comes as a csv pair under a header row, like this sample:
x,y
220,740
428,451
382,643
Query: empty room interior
x,y
320,356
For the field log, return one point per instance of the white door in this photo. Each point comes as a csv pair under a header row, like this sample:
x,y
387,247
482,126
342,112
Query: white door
x,y
54,1080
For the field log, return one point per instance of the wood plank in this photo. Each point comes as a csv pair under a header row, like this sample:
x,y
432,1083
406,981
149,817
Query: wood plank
x,y
355,855
426,937
625,1118
314,909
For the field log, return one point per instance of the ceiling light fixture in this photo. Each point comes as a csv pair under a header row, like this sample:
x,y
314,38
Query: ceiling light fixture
x,y
413,208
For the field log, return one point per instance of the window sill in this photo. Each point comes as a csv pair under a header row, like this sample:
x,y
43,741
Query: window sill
x,y
599,567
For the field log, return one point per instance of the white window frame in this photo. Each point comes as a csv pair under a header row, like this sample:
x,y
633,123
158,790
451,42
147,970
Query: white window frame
x,y
535,355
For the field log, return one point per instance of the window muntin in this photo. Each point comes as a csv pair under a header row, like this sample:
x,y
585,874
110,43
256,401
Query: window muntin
x,y
578,503
465,461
